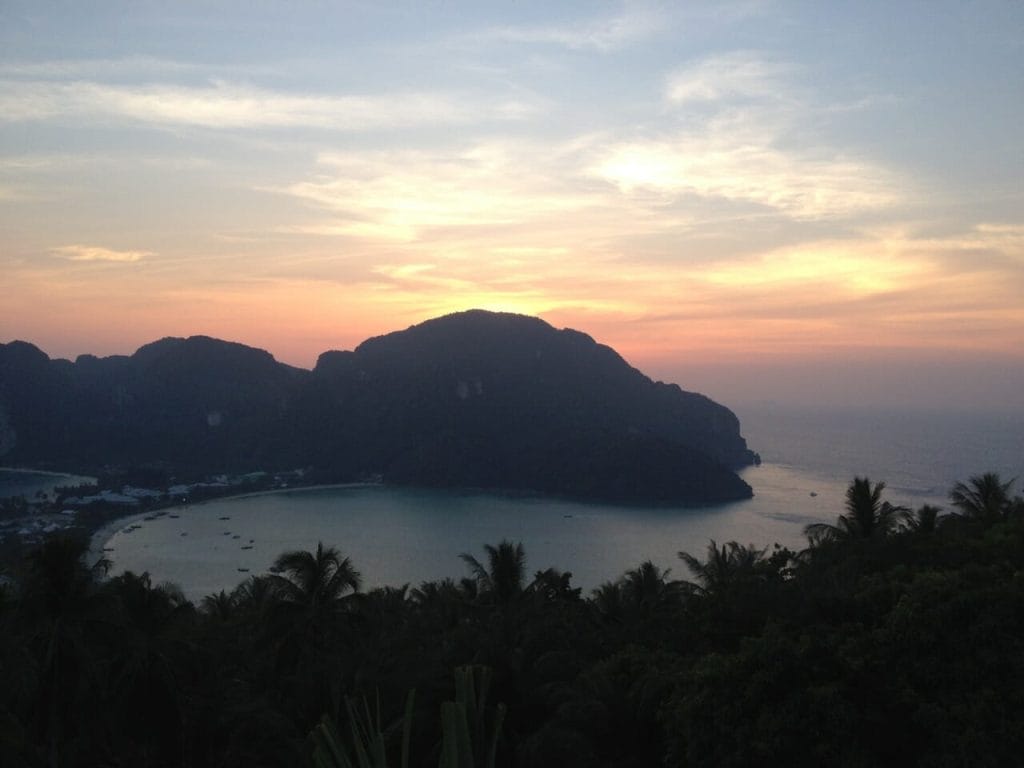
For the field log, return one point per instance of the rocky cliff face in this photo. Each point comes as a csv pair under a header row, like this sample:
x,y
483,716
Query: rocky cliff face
x,y
473,399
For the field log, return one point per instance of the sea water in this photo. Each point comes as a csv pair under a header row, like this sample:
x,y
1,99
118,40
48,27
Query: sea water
x,y
398,536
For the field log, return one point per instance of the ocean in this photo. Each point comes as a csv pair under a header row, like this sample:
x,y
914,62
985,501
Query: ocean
x,y
406,536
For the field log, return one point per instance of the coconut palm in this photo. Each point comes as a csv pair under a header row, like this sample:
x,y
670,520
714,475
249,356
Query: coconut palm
x,y
925,520
648,586
441,604
219,605
256,594
314,593
724,566
607,599
153,654
867,516
65,612
983,497
315,580
552,585
504,576
384,610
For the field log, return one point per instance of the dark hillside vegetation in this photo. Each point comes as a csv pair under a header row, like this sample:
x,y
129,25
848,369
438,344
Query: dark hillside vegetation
x,y
476,399
896,638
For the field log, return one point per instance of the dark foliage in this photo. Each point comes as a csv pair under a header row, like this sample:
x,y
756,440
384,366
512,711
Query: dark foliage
x,y
904,647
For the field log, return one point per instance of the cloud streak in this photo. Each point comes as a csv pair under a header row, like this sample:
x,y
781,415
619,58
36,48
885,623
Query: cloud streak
x,y
224,105
744,138
98,253
400,195
740,74
801,185
603,35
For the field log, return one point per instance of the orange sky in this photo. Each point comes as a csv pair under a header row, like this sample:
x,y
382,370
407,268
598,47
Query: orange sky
x,y
746,211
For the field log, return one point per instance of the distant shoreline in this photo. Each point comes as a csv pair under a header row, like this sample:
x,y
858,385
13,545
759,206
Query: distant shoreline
x,y
46,472
103,534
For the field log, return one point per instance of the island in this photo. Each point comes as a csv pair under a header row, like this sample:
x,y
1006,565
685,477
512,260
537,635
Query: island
x,y
475,399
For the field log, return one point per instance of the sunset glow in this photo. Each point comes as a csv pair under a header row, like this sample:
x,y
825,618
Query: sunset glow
x,y
701,186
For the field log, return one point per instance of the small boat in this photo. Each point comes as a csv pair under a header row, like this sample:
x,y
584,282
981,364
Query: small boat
x,y
243,570
226,533
236,536
226,517
183,533
174,517
247,546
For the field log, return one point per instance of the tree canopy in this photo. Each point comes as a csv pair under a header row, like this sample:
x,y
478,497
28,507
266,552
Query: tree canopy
x,y
880,644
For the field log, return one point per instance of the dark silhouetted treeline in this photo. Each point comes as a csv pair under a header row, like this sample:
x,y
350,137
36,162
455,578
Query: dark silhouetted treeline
x,y
895,638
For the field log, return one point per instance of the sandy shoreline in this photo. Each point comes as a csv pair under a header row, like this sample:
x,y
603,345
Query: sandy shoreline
x,y
103,534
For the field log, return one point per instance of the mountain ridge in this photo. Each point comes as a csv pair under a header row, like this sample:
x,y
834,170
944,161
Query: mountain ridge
x,y
477,398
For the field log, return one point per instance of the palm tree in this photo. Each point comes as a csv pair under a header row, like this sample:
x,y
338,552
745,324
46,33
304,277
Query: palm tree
x,y
384,610
315,580
925,520
983,497
647,586
152,655
607,599
724,566
64,610
219,605
504,577
867,516
256,594
441,603
312,593
552,584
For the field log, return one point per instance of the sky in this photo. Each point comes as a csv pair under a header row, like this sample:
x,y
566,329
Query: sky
x,y
794,202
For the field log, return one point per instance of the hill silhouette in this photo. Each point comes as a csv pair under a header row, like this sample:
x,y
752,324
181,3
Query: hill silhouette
x,y
473,399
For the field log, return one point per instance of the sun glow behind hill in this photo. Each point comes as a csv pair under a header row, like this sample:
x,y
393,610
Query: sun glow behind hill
x,y
805,192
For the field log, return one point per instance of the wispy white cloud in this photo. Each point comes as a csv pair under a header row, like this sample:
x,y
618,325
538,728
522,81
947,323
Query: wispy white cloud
x,y
397,195
605,34
635,23
801,185
102,68
746,135
79,252
740,74
60,162
228,105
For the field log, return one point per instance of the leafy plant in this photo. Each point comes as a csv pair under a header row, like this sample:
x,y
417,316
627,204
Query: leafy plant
x,y
466,740
368,742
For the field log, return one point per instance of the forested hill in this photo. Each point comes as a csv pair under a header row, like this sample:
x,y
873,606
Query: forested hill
x,y
478,399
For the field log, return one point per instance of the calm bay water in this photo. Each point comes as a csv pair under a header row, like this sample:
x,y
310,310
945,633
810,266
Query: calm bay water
x,y
397,536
